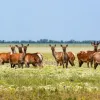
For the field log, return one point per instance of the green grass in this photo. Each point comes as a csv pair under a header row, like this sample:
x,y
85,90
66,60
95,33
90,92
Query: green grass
x,y
50,82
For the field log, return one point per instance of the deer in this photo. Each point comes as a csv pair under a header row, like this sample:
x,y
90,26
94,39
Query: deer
x,y
36,59
96,59
59,56
18,58
4,57
65,55
85,56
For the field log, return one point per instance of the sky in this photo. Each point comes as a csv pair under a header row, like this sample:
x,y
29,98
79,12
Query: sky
x,y
49,19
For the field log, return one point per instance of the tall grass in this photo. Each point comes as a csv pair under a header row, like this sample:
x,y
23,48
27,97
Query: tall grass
x,y
50,82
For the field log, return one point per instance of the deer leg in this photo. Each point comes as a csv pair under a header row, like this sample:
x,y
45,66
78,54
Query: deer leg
x,y
27,64
71,63
66,64
57,63
63,65
60,63
80,63
2,63
95,65
91,63
11,65
19,65
22,65
88,64
35,64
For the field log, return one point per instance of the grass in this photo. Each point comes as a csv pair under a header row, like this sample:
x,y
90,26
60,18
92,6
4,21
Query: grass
x,y
50,82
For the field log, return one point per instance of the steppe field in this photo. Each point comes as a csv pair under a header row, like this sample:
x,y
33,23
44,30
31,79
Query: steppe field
x,y
50,82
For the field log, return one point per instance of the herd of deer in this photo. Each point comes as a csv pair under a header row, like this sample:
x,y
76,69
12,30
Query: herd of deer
x,y
83,56
36,59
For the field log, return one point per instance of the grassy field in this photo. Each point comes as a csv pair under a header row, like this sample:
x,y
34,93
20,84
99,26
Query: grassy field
x,y
50,82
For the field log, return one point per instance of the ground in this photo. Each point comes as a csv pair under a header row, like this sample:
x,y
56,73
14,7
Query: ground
x,y
50,82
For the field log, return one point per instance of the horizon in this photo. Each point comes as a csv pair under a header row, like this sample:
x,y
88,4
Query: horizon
x,y
49,40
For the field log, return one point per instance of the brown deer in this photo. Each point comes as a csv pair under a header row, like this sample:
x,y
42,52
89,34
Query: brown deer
x,y
96,59
85,56
36,59
71,58
65,55
4,57
18,58
19,49
57,55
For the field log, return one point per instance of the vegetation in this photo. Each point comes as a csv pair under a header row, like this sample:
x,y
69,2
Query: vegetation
x,y
50,82
48,41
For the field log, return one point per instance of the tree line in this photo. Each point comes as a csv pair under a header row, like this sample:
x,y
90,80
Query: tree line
x,y
48,41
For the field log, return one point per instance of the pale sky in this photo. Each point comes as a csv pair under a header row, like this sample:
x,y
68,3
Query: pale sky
x,y
49,19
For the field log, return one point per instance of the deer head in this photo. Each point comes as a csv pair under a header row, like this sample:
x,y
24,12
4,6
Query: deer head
x,y
64,48
95,45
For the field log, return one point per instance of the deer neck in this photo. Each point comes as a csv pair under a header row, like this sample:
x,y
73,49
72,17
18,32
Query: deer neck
x,y
64,52
54,54
95,50
12,52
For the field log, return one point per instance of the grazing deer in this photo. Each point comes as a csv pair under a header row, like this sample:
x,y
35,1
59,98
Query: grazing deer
x,y
65,55
4,57
36,59
85,56
57,55
71,58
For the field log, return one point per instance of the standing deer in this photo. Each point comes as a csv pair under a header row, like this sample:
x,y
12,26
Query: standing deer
x,y
85,56
57,55
18,58
5,57
65,55
96,59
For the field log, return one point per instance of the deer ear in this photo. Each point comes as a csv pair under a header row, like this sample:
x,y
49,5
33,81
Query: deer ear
x,y
16,45
22,45
98,42
27,44
67,45
61,45
50,45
